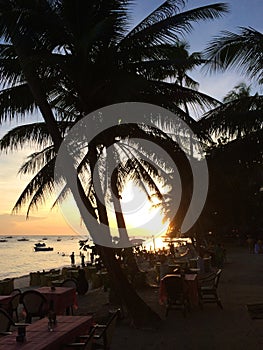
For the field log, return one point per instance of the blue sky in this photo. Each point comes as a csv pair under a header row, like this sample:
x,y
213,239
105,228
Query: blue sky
x,y
242,13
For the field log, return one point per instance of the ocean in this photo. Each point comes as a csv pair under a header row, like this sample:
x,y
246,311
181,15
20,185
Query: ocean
x,y
18,258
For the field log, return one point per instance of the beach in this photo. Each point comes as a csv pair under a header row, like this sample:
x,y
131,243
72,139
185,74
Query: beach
x,y
232,328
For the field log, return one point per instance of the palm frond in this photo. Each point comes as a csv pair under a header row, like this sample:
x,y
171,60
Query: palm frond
x,y
37,160
168,29
35,134
38,188
16,101
242,52
240,116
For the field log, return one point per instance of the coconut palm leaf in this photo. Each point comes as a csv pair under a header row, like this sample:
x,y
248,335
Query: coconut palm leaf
x,y
156,31
240,116
242,52
29,135
16,101
38,188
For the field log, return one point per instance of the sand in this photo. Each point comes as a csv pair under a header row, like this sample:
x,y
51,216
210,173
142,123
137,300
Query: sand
x,y
209,329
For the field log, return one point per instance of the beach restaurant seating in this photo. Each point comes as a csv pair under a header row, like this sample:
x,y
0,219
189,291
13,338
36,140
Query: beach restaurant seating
x,y
208,286
5,322
85,345
45,278
6,286
103,335
14,302
70,282
177,297
35,304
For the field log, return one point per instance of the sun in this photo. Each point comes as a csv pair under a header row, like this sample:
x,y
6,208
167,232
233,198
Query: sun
x,y
142,216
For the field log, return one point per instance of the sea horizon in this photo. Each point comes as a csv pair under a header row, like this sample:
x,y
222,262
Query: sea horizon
x,y
18,258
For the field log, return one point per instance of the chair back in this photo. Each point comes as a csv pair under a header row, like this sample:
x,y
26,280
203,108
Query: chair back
x,y
87,345
35,304
109,330
89,341
15,301
69,282
217,277
5,321
174,286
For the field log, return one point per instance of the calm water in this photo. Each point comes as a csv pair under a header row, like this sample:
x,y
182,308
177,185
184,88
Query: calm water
x,y
19,258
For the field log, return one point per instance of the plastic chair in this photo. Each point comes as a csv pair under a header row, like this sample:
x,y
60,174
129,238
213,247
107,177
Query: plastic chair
x,y
177,297
208,289
35,304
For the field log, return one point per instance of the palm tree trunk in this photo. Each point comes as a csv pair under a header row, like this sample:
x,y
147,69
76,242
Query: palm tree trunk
x,y
140,312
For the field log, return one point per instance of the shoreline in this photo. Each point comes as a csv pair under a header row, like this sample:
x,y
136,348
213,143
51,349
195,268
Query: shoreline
x,y
22,282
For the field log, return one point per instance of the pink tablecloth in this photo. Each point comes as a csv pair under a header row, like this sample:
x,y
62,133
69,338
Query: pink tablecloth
x,y
62,297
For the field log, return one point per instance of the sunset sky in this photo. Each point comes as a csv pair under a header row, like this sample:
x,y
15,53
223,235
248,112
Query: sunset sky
x,y
45,222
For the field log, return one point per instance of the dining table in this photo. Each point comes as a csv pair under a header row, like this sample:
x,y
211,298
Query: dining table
x,y
39,337
190,287
62,298
4,301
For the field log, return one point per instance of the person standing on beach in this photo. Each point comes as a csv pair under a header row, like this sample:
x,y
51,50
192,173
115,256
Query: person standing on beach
x,y
72,257
82,257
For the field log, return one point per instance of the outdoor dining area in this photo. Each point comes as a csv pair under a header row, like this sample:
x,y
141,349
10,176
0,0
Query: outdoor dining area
x,y
45,314
49,322
187,278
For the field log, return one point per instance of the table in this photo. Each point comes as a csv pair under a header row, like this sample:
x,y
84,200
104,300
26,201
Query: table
x,y
39,338
4,301
63,298
191,288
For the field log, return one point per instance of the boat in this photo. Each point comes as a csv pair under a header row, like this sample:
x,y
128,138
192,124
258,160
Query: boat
x,y
23,239
40,244
43,249
3,240
59,239
44,238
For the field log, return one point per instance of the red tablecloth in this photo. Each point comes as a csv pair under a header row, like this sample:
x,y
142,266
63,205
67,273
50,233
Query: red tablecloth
x,y
191,288
38,337
62,297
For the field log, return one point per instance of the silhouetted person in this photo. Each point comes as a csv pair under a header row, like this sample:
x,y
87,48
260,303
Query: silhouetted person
x,y
82,256
72,257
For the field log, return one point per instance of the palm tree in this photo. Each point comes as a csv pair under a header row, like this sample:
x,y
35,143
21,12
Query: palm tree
x,y
242,52
235,161
239,91
54,52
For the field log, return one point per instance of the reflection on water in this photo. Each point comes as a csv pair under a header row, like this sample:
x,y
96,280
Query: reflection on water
x,y
18,258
